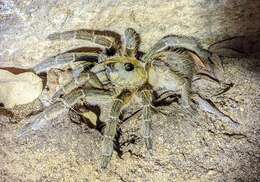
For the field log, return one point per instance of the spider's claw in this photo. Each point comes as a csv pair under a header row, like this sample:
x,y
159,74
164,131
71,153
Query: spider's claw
x,y
53,36
57,95
104,162
175,41
148,143
66,59
107,148
35,123
150,153
191,109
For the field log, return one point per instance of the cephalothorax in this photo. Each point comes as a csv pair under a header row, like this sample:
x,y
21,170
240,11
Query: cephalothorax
x,y
118,70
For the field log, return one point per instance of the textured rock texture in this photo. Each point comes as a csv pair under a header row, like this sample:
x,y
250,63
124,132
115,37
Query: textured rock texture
x,y
197,147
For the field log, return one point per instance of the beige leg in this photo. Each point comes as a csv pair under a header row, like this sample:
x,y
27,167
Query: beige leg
x,y
181,42
111,127
62,60
147,97
132,41
105,38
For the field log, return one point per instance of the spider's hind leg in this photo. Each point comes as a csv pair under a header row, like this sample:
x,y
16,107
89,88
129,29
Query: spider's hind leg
x,y
174,41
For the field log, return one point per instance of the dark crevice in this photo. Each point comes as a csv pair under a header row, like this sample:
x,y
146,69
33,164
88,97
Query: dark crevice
x,y
230,85
239,136
166,101
127,117
111,51
7,113
139,55
133,139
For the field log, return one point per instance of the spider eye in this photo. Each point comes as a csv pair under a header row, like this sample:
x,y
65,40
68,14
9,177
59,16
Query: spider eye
x,y
129,66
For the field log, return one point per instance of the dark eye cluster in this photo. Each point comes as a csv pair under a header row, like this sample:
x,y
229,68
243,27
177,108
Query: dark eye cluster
x,y
129,66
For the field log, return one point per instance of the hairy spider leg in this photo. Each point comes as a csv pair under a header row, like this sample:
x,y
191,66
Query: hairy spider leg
x,y
61,106
111,126
85,78
64,59
147,98
108,39
181,42
51,112
131,42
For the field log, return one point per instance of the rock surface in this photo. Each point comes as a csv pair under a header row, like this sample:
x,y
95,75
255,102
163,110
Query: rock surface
x,y
198,147
19,89
25,24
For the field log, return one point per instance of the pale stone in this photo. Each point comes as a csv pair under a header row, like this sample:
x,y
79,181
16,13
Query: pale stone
x,y
91,116
19,89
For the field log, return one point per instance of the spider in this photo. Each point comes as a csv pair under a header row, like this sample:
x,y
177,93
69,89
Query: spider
x,y
120,71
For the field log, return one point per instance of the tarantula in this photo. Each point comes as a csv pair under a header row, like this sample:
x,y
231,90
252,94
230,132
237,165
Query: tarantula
x,y
121,71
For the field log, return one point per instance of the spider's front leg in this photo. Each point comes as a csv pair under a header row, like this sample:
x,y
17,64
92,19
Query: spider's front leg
x,y
66,59
147,98
84,78
111,127
51,112
108,39
61,105
131,42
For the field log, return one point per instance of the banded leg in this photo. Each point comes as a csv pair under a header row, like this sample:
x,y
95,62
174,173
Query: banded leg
x,y
100,71
51,112
60,106
84,78
105,38
186,93
180,42
111,127
132,41
64,59
147,97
